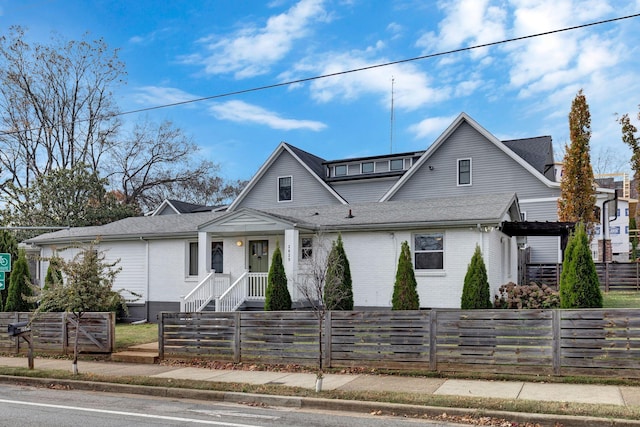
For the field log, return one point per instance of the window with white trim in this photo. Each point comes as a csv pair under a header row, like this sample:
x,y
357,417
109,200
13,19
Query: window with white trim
x,y
428,251
192,259
306,248
340,170
464,171
284,188
366,167
396,164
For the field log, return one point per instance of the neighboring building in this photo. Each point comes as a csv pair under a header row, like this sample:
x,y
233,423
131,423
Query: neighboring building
x,y
444,201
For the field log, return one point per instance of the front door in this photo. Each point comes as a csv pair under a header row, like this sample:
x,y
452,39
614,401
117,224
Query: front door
x,y
217,256
258,256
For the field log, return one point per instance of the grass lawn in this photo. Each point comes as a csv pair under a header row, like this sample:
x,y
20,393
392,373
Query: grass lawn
x,y
621,299
128,335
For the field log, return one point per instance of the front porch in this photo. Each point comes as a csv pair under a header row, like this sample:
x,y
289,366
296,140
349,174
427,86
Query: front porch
x,y
217,293
234,257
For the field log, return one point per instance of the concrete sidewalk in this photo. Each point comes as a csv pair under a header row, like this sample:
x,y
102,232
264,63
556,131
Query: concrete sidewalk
x,y
552,392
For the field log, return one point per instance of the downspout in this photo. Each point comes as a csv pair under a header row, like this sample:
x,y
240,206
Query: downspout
x,y
147,285
605,234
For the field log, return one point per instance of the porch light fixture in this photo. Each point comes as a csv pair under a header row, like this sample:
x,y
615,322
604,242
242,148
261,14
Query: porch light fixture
x,y
239,243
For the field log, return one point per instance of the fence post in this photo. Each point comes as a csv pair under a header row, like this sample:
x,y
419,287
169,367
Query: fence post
x,y
555,344
433,332
327,340
161,335
236,337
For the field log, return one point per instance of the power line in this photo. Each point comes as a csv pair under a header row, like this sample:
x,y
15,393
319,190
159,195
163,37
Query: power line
x,y
354,70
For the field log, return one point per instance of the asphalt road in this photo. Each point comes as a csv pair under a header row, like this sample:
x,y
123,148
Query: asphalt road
x,y
29,406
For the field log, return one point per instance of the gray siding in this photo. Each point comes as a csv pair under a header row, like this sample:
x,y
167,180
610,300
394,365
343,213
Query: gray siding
x,y
306,190
493,171
363,190
544,249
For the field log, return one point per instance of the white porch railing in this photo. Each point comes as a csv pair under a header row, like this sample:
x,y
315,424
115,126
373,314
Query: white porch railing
x,y
249,286
210,288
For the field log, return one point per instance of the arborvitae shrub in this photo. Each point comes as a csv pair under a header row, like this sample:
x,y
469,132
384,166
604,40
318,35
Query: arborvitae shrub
x,y
579,283
277,295
405,292
475,292
338,290
19,286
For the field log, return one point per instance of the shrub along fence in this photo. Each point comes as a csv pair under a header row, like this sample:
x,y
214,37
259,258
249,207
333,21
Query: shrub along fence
x,y
614,276
56,332
547,342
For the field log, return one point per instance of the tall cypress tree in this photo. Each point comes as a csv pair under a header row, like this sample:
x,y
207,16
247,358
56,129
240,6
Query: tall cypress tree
x,y
476,292
405,293
277,295
577,188
338,291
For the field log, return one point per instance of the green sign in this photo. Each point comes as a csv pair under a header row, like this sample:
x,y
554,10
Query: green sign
x,y
1,280
5,263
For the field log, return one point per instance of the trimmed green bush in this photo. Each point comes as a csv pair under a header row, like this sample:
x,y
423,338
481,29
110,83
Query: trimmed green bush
x,y
475,292
405,292
277,295
19,286
338,291
579,283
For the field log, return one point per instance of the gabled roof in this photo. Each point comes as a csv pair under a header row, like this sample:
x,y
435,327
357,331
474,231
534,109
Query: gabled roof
x,y
464,118
137,227
312,163
537,151
180,207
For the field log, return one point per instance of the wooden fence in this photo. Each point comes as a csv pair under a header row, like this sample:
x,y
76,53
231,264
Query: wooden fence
x,y
546,342
623,276
56,332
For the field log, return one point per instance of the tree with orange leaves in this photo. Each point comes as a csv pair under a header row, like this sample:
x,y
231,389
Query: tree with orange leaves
x,y
577,188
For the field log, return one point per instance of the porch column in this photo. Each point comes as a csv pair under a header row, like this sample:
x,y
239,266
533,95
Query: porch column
x,y
290,259
203,255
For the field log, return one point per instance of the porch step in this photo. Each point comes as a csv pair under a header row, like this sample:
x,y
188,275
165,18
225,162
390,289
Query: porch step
x,y
141,353
135,357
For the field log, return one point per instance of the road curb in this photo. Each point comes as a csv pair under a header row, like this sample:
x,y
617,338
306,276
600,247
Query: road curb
x,y
363,407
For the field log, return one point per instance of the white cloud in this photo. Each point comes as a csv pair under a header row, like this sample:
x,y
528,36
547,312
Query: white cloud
x,y
466,23
548,62
158,95
252,50
242,112
412,88
431,127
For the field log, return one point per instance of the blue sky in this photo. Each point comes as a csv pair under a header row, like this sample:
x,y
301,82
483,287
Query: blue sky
x,y
188,49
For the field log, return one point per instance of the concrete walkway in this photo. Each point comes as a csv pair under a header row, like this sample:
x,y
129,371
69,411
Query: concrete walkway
x,y
582,393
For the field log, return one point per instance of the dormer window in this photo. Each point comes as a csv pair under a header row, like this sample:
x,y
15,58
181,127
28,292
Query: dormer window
x,y
340,170
396,164
367,167
284,188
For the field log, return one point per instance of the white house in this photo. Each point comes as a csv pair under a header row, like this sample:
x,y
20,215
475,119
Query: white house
x,y
468,188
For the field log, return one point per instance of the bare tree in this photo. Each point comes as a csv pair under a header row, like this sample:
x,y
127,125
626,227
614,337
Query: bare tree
x,y
159,161
56,105
312,282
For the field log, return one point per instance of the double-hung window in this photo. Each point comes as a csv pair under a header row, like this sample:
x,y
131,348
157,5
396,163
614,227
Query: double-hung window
x,y
428,250
464,171
284,188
